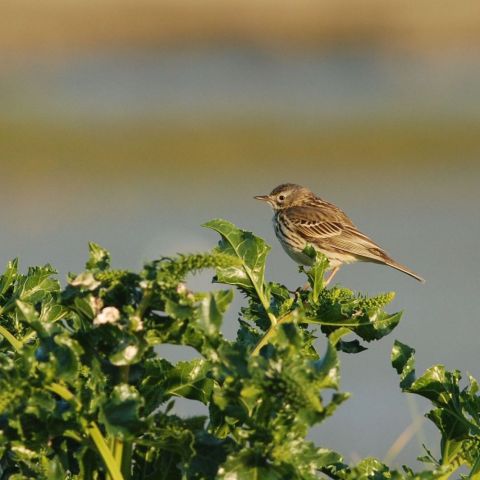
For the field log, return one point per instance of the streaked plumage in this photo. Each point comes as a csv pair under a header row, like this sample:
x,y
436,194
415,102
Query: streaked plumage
x,y
302,218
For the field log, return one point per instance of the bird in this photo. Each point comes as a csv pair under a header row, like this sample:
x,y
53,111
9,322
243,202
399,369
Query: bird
x,y
302,218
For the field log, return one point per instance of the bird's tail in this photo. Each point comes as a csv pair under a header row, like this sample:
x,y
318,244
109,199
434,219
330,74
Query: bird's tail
x,y
404,269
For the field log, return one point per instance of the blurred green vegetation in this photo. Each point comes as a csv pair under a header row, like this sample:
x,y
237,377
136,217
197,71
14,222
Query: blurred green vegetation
x,y
36,147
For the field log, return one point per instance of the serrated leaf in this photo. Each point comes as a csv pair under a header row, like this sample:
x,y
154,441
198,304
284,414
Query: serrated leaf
x,y
36,284
189,380
8,277
316,272
52,312
250,465
380,324
99,258
250,250
340,308
456,411
433,384
403,360
53,468
371,468
306,458
66,355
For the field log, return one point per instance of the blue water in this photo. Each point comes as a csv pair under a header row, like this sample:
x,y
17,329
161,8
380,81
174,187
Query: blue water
x,y
242,83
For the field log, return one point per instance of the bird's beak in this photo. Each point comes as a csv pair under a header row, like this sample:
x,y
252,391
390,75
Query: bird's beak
x,y
264,198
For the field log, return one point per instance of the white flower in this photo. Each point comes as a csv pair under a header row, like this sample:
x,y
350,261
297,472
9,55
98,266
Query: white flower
x,y
107,315
130,352
85,280
181,288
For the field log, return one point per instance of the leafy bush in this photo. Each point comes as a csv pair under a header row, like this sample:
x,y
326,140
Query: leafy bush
x,y
84,394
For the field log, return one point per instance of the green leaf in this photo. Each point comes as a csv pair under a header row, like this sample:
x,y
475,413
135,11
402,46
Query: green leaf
x,y
354,346
327,369
37,284
52,312
340,308
70,375
27,311
251,251
40,403
403,360
250,465
456,410
178,310
120,411
99,258
212,308
433,384
85,307
127,352
305,457
53,468
316,272
371,468
9,276
189,380
380,324
66,354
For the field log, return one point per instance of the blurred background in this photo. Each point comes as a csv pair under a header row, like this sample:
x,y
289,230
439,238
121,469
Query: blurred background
x,y
131,122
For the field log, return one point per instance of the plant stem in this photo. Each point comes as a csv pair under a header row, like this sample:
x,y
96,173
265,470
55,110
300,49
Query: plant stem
x,y
261,296
118,451
122,449
63,392
96,435
126,465
314,321
270,333
93,431
10,339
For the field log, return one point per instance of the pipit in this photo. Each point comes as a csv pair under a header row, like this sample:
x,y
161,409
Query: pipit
x,y
302,218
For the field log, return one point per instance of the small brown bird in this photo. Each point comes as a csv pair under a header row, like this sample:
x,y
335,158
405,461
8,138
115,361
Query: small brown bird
x,y
302,218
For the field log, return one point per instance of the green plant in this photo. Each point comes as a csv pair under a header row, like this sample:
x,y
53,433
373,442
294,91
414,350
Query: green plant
x,y
86,394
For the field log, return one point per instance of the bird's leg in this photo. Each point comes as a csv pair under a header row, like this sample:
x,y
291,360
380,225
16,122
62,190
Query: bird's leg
x,y
330,276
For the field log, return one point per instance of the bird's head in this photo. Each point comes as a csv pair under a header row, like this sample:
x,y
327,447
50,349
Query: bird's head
x,y
287,195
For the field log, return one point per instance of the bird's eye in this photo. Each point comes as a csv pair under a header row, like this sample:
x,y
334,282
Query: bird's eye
x,y
281,198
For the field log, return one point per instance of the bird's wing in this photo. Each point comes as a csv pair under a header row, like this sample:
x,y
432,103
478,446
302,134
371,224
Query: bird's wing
x,y
329,231
332,211
313,222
